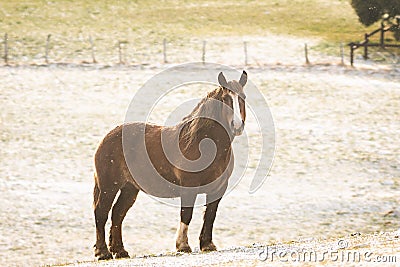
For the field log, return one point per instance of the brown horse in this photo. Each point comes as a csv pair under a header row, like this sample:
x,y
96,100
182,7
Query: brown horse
x,y
135,156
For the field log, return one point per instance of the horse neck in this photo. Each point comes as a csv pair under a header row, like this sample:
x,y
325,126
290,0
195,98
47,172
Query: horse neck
x,y
214,131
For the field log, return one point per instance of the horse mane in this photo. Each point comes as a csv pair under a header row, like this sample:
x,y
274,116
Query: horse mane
x,y
197,119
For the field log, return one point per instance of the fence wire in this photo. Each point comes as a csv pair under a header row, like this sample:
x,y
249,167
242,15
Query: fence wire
x,y
256,51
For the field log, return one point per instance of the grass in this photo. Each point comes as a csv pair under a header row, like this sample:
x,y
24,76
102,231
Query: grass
x,y
148,22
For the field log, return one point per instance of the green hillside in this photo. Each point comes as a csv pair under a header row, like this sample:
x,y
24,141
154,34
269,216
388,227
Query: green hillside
x,y
333,20
146,22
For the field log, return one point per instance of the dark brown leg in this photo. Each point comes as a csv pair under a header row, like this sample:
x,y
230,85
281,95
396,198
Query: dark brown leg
x,y
206,243
124,203
182,242
101,208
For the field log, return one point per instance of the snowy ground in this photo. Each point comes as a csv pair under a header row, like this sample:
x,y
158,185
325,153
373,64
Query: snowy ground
x,y
380,249
336,169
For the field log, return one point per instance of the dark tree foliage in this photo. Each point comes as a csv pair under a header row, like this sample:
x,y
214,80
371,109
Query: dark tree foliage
x,y
371,11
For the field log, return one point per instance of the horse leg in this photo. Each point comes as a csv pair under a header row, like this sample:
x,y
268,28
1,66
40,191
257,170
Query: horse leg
x,y
182,241
102,205
124,203
206,243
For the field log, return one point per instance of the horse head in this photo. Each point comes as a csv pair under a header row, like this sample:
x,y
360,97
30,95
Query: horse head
x,y
233,97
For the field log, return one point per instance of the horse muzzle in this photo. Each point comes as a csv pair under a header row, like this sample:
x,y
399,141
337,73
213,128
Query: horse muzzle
x,y
236,131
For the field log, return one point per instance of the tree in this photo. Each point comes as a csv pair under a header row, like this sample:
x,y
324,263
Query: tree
x,y
371,11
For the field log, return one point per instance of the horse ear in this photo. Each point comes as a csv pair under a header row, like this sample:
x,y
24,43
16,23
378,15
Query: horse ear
x,y
222,80
243,79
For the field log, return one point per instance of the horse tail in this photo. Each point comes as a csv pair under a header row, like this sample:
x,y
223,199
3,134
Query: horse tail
x,y
96,192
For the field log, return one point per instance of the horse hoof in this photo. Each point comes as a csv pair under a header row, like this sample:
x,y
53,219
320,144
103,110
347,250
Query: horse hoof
x,y
122,255
184,248
119,252
209,247
105,257
102,254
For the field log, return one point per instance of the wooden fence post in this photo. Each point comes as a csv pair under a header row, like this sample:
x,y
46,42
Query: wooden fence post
x,y
366,46
165,50
352,54
341,54
120,52
382,37
203,55
306,54
47,49
92,48
245,53
6,49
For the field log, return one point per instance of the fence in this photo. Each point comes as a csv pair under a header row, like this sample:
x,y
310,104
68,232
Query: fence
x,y
366,43
225,50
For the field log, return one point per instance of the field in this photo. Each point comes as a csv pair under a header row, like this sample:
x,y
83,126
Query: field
x,y
336,169
178,18
142,25
352,250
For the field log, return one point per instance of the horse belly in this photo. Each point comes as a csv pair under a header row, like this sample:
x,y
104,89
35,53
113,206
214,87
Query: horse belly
x,y
149,168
